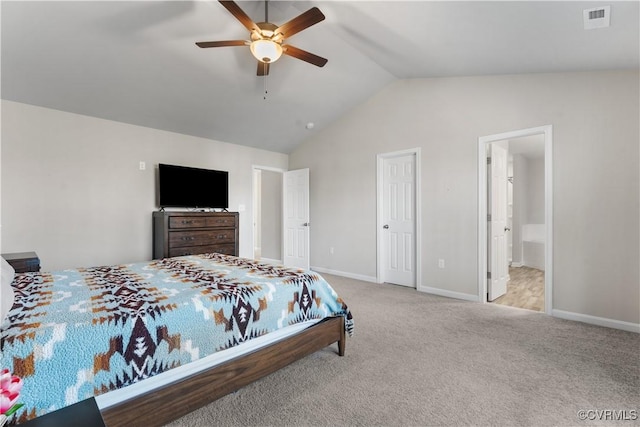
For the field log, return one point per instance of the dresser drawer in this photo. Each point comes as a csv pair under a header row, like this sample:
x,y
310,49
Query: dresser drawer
x,y
201,237
221,221
202,221
187,222
228,249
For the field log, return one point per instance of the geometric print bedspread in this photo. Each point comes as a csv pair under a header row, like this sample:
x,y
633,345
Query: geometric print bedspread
x,y
73,334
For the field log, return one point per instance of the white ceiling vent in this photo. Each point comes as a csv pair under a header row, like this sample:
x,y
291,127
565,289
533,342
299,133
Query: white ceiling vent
x,y
598,17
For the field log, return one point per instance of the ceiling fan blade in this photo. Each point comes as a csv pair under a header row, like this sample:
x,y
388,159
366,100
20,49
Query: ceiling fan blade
x,y
304,55
244,19
263,68
222,43
300,22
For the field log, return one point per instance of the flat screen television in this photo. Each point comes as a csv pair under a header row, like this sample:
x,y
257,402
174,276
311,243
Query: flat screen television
x,y
187,187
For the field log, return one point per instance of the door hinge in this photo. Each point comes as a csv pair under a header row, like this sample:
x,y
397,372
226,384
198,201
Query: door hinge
x,y
489,217
488,275
488,160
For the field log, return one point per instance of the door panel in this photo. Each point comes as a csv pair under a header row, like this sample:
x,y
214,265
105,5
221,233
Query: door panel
x,y
296,221
498,257
398,189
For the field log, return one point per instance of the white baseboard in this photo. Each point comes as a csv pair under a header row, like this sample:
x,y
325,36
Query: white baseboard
x,y
345,274
599,321
517,264
567,315
448,294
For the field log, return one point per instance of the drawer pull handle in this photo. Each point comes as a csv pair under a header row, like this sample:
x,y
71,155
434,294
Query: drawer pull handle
x,y
184,221
221,236
188,238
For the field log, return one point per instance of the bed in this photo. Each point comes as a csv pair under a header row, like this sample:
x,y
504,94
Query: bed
x,y
153,341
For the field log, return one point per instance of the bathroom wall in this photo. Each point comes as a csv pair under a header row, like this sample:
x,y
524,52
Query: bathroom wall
x,y
528,211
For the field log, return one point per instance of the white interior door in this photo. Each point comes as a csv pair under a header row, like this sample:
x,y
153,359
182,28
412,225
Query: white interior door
x,y
498,258
398,218
296,218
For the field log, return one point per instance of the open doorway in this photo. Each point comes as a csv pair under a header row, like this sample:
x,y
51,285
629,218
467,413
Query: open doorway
x,y
515,221
267,214
525,223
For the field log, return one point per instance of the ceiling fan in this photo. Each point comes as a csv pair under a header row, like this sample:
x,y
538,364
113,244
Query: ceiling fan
x,y
267,42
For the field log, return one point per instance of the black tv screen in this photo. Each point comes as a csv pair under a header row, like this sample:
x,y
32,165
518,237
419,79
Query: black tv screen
x,y
186,187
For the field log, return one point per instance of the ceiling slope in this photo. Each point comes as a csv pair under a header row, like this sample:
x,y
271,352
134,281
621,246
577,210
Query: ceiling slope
x,y
137,62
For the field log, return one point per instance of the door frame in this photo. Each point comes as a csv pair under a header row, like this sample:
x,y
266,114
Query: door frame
x,y
253,197
380,252
547,131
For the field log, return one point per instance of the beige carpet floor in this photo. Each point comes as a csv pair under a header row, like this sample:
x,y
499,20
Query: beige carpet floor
x,y
422,360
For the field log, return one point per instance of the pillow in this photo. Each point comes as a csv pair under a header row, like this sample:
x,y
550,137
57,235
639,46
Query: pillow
x,y
6,291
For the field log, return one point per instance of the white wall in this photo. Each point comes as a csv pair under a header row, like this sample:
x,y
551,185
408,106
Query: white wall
x,y
533,252
72,190
519,204
595,118
528,208
535,191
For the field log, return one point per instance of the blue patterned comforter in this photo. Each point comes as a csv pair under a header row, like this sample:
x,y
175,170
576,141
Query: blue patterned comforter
x,y
73,334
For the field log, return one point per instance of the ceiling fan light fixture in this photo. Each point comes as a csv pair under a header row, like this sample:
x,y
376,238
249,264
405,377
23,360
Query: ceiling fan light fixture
x,y
266,51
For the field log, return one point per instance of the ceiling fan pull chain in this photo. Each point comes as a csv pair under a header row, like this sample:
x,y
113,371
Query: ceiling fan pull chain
x,y
265,86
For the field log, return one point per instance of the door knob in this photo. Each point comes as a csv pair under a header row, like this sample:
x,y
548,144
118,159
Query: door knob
x,y
386,226
306,224
507,229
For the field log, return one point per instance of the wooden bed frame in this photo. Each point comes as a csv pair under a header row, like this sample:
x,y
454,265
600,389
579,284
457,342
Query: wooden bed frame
x,y
160,406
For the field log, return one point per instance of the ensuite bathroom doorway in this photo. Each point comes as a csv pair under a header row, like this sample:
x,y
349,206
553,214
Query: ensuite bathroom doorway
x,y
525,223
267,214
515,242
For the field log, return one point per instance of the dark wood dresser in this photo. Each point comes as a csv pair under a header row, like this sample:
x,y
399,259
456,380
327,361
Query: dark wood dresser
x,y
191,233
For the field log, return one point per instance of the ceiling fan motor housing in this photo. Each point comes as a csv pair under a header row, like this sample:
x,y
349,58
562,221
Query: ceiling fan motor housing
x,y
267,31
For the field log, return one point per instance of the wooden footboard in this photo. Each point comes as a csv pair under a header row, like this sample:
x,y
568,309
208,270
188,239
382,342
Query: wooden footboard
x,y
170,402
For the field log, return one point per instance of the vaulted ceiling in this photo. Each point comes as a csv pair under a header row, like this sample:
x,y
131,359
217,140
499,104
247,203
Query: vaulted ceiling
x,y
137,62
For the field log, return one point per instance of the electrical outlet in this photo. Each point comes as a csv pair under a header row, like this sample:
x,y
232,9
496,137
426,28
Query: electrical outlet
x,y
142,166
440,263
331,250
